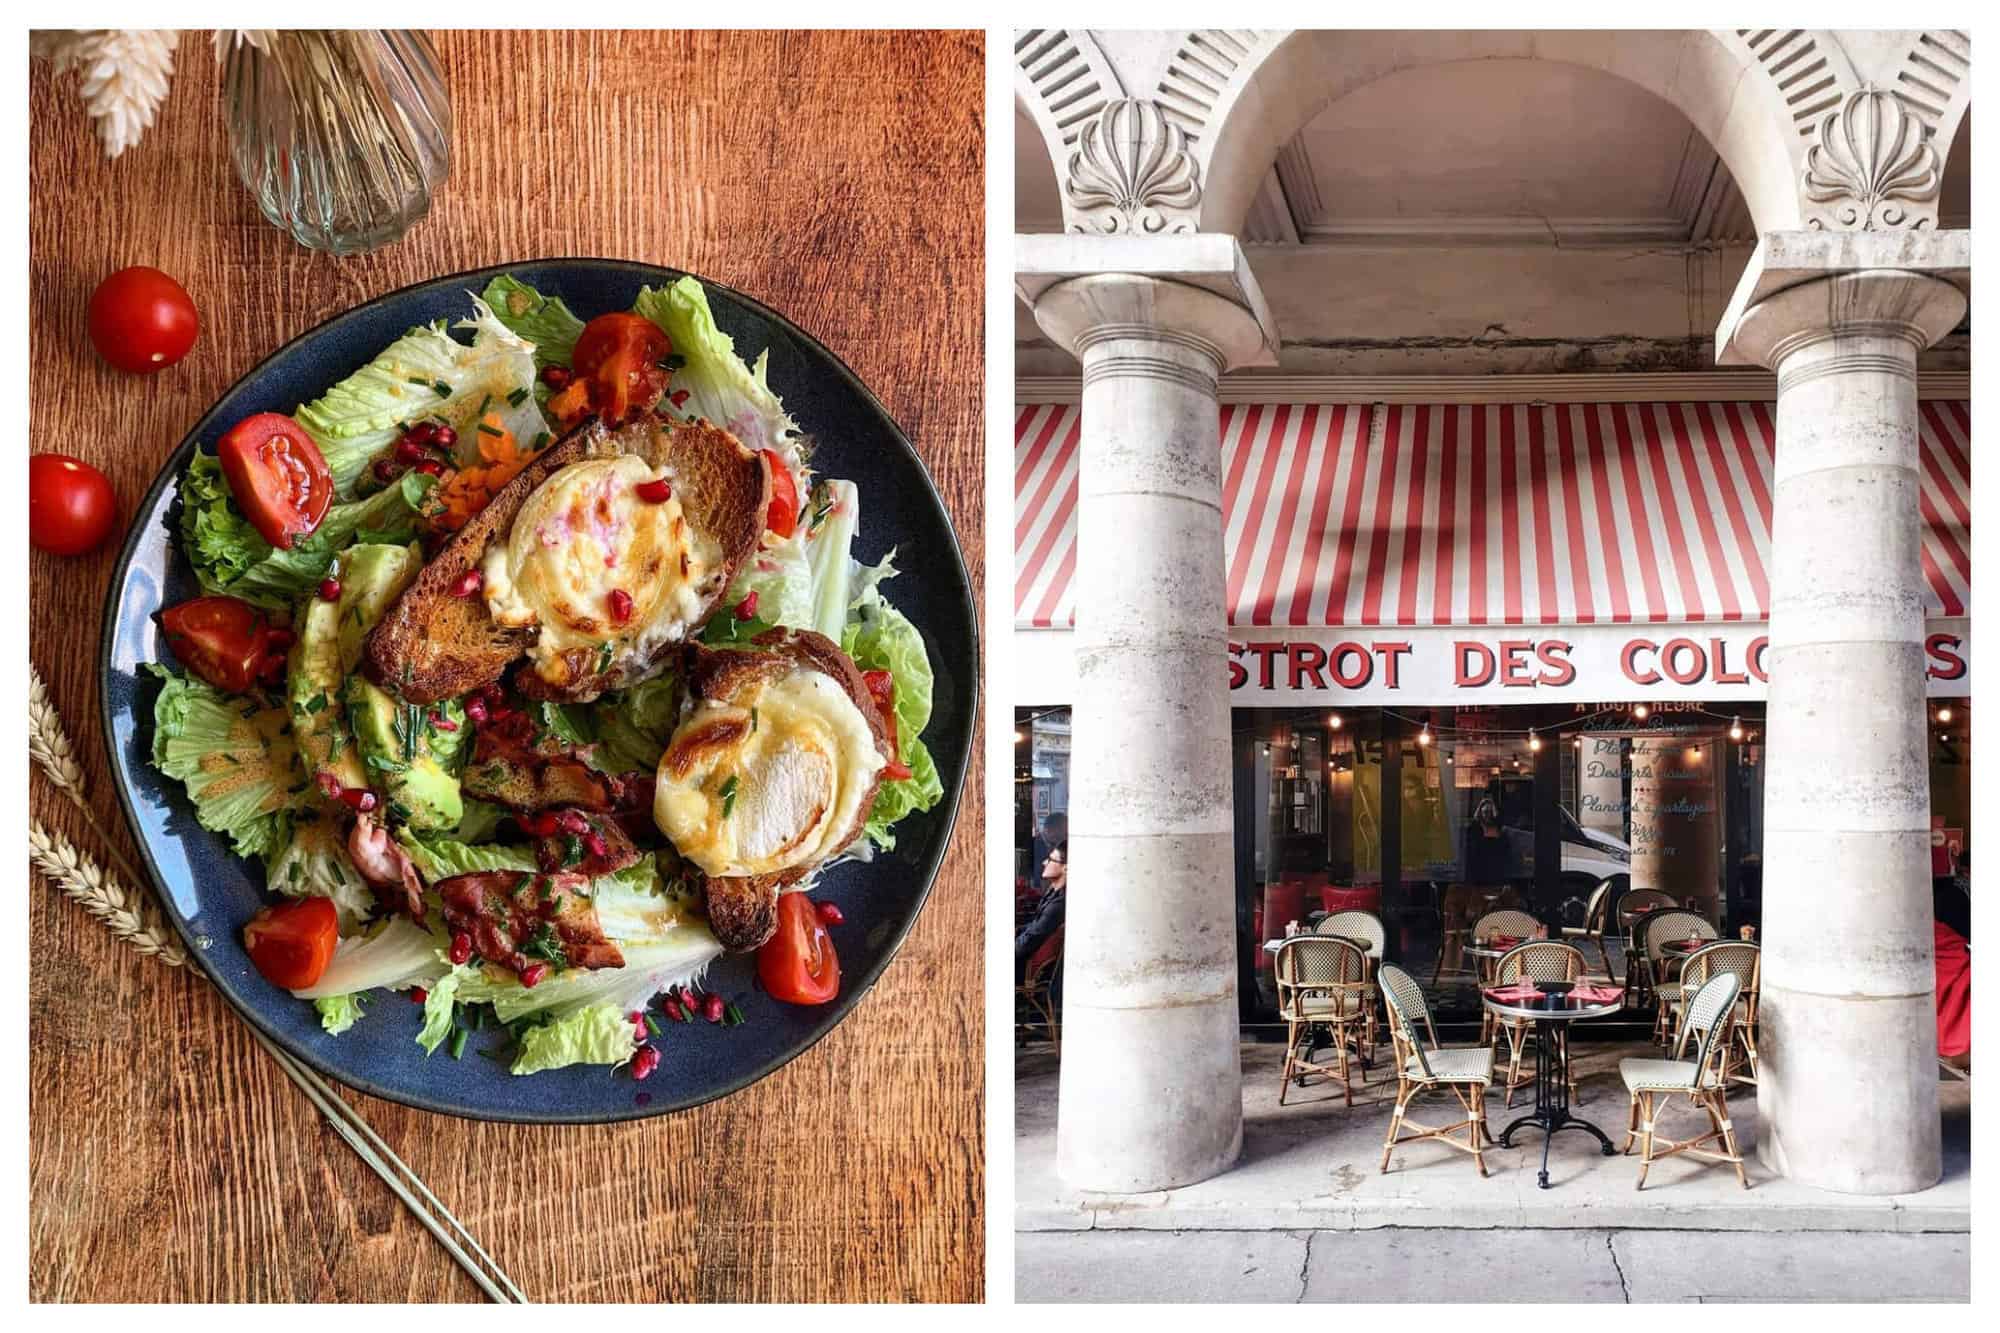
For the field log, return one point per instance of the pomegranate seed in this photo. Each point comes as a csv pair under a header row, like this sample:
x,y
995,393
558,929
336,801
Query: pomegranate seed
x,y
418,995
594,844
621,606
747,608
278,640
444,437
430,467
461,949
409,450
677,397
555,377
476,709
385,469
532,974
572,822
468,583
687,998
358,798
443,723
654,492
830,913
539,826
711,1008
423,432
645,1062
329,590
329,784
673,1008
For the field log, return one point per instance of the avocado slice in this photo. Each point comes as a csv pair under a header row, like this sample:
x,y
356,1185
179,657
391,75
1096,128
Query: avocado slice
x,y
408,759
372,576
312,695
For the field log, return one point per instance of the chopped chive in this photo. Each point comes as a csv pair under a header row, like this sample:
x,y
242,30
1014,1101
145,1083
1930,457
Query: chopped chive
x,y
485,429
651,1026
729,796
674,361
731,1015
484,402
442,389
541,438
515,398
418,379
458,1044
753,720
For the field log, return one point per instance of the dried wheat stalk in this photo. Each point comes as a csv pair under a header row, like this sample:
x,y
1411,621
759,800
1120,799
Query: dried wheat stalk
x,y
101,894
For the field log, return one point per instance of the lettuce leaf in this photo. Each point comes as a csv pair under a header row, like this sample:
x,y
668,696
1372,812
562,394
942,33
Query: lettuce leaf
x,y
598,1035
426,375
637,907
881,638
678,957
397,953
634,725
720,386
439,858
439,1005
229,556
337,1013
234,754
543,320
313,861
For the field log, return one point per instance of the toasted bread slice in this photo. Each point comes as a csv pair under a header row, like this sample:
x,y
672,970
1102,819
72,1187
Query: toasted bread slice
x,y
743,910
434,644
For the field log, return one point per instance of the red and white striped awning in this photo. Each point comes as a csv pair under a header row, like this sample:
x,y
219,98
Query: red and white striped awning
x,y
1557,514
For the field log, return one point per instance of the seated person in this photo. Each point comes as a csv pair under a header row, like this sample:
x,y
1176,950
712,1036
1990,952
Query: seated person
x,y
1048,917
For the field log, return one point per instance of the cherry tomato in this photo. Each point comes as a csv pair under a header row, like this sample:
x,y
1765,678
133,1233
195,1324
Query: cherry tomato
x,y
70,506
291,943
226,641
882,689
277,475
798,964
619,355
783,516
141,320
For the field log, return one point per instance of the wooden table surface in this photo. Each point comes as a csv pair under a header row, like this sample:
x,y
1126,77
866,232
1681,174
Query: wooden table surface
x,y
837,177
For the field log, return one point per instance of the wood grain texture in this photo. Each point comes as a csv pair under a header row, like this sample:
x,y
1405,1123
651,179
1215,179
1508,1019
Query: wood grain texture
x,y
837,177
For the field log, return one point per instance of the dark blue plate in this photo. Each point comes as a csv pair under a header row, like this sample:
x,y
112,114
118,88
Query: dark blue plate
x,y
210,892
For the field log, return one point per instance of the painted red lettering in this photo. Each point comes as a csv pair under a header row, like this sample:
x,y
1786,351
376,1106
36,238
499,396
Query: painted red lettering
x,y
1554,654
1392,663
1948,663
1756,658
1628,661
1675,653
1464,674
1264,652
1306,659
1718,651
1237,675
1514,663
1346,679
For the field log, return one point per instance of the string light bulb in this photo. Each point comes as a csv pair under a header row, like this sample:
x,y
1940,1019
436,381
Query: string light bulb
x,y
1534,740
1578,742
1424,736
1333,720
1944,713
1020,736
1695,754
1736,728
1640,711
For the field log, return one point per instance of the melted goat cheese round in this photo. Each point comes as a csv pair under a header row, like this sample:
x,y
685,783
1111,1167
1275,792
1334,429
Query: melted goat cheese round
x,y
762,784
583,537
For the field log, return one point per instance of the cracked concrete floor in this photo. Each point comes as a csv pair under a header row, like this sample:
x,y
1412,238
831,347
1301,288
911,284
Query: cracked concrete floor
x,y
1402,1264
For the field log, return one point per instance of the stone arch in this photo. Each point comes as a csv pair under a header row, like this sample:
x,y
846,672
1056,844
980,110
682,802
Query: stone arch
x,y
1934,79
1062,80
1240,96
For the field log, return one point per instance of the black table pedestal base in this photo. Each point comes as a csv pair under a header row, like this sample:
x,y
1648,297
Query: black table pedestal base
x,y
1551,1113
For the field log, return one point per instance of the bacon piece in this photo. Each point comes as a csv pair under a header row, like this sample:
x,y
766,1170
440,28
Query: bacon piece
x,y
513,771
602,848
506,911
386,867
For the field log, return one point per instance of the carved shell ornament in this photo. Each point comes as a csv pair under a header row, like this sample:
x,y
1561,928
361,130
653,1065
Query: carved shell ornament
x,y
1131,164
1873,163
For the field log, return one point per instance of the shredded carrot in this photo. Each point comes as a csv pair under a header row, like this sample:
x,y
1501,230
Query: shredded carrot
x,y
569,405
464,493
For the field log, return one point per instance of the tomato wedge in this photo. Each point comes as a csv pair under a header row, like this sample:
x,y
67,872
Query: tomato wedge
x,y
798,964
882,689
227,642
291,943
783,516
619,354
277,475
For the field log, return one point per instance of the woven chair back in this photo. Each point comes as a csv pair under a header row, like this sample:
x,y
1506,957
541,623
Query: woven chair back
x,y
1708,1017
1507,921
1540,960
1356,925
1739,958
1663,927
1637,902
1598,905
1316,964
1408,1012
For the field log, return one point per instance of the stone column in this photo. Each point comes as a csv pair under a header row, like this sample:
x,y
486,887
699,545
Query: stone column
x,y
1847,1094
1150,1092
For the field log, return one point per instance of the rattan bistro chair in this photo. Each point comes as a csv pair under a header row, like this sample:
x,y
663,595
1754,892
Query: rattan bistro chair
x,y
1746,962
1424,1066
1663,970
1630,908
1506,921
1364,927
1537,960
1323,992
1649,1082
1596,913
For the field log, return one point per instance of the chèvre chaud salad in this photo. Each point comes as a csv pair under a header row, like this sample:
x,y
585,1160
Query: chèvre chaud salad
x,y
535,667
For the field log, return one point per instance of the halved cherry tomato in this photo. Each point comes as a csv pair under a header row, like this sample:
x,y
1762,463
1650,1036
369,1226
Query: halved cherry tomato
x,y
291,943
277,475
798,964
226,641
783,516
620,354
882,689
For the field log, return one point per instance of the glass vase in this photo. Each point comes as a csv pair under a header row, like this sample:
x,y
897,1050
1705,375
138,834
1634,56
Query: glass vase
x,y
342,137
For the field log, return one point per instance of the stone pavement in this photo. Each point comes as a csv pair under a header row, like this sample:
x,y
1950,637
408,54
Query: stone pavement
x,y
1311,1166
1412,1265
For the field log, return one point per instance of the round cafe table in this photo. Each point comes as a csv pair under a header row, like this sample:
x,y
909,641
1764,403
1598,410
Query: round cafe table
x,y
1682,948
1551,1111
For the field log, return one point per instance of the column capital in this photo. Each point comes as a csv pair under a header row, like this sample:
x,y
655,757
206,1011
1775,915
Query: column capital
x,y
1195,288
1804,286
